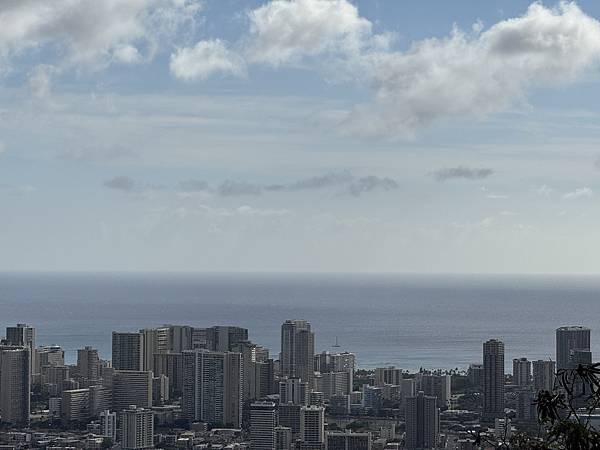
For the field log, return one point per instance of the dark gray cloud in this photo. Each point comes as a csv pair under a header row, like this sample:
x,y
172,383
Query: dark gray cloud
x,y
371,183
462,172
320,182
231,188
120,183
194,186
353,185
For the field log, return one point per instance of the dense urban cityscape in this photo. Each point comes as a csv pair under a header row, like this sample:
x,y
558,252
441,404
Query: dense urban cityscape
x,y
179,386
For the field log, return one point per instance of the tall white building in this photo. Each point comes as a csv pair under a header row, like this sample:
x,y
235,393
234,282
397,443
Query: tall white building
x,y
422,422
137,428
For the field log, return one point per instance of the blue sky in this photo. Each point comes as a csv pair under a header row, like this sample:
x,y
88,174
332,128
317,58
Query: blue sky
x,y
300,135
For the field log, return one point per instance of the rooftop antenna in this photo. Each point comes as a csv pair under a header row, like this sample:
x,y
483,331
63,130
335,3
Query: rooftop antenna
x,y
336,345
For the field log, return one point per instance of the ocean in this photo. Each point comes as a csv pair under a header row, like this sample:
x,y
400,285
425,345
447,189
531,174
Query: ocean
x,y
410,321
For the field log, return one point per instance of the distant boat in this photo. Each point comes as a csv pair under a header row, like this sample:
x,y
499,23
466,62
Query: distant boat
x,y
336,345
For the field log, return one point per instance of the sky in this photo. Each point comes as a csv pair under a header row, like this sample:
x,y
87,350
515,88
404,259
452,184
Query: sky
x,y
300,135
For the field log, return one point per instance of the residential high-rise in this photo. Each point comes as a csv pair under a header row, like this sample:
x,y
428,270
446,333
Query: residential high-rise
x,y
422,422
263,421
522,372
154,340
493,379
170,365
132,387
100,399
108,424
225,338
544,373
127,351
212,387
388,375
15,384
439,386
293,390
340,440
88,363
297,350
75,405
289,416
283,438
180,338
567,339
137,428
312,427
475,374
52,355
23,335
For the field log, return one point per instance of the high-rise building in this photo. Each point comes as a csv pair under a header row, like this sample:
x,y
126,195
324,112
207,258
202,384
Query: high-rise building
x,y
577,357
340,440
493,379
544,373
422,422
388,375
475,374
212,387
54,378
293,390
108,424
132,387
127,351
263,421
88,363
23,335
180,338
567,339
522,372
439,386
137,428
283,438
297,350
312,427
289,416
15,384
52,355
170,365
75,405
100,399
225,338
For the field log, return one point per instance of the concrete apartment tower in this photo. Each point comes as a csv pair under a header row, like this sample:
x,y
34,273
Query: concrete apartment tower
x,y
544,374
522,372
567,339
212,387
493,379
15,385
137,428
422,422
263,421
127,351
297,351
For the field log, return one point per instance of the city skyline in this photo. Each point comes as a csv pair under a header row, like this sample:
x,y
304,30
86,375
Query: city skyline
x,y
409,137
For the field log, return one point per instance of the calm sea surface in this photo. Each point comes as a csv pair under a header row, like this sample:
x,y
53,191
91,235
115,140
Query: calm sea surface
x,y
410,321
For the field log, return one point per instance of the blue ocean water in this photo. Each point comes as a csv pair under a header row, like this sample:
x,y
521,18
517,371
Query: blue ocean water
x,y
411,321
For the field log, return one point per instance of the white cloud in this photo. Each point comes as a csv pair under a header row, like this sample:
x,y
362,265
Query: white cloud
x,y
206,58
474,75
584,192
90,34
283,31
544,190
40,80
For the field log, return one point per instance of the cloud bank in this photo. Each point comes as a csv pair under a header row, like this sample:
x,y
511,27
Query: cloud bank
x,y
461,172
